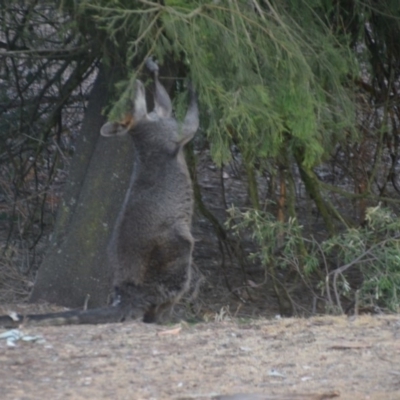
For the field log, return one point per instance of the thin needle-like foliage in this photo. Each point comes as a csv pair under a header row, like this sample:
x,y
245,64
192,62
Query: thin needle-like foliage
x,y
266,78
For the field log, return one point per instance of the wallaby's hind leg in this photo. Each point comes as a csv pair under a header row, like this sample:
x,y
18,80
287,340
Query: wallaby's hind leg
x,y
155,313
156,296
138,302
174,287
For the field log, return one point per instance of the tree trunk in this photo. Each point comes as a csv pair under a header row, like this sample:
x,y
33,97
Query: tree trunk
x,y
75,268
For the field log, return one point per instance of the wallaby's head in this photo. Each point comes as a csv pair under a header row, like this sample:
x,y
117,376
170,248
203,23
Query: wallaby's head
x,y
156,131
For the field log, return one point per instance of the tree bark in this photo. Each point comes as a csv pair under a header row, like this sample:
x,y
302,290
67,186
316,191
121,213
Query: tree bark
x,y
75,269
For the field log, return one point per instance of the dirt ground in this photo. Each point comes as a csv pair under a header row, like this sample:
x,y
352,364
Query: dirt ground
x,y
314,358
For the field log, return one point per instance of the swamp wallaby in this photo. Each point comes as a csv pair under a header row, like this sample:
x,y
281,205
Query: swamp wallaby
x,y
151,246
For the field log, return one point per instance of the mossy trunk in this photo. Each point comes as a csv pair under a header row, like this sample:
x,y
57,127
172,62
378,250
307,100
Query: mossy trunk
x,y
75,268
311,185
252,186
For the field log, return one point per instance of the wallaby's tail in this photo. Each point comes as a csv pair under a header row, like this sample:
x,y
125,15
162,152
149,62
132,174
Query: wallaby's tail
x,y
76,317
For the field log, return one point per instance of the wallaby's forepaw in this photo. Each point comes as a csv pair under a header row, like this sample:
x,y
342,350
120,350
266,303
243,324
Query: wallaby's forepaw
x,y
152,65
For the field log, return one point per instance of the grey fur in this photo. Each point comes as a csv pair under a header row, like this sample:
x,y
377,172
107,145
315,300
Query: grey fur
x,y
151,247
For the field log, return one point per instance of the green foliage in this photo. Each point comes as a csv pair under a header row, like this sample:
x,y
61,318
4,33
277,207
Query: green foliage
x,y
280,242
365,261
375,251
267,79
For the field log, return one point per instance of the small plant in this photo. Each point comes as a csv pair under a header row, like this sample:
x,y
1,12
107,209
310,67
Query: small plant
x,y
281,240
373,249
360,264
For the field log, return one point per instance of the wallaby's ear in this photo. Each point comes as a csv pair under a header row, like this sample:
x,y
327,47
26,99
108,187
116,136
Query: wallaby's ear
x,y
139,103
162,101
191,121
121,128
113,129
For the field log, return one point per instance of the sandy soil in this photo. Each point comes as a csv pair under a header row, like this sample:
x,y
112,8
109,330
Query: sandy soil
x,y
315,358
